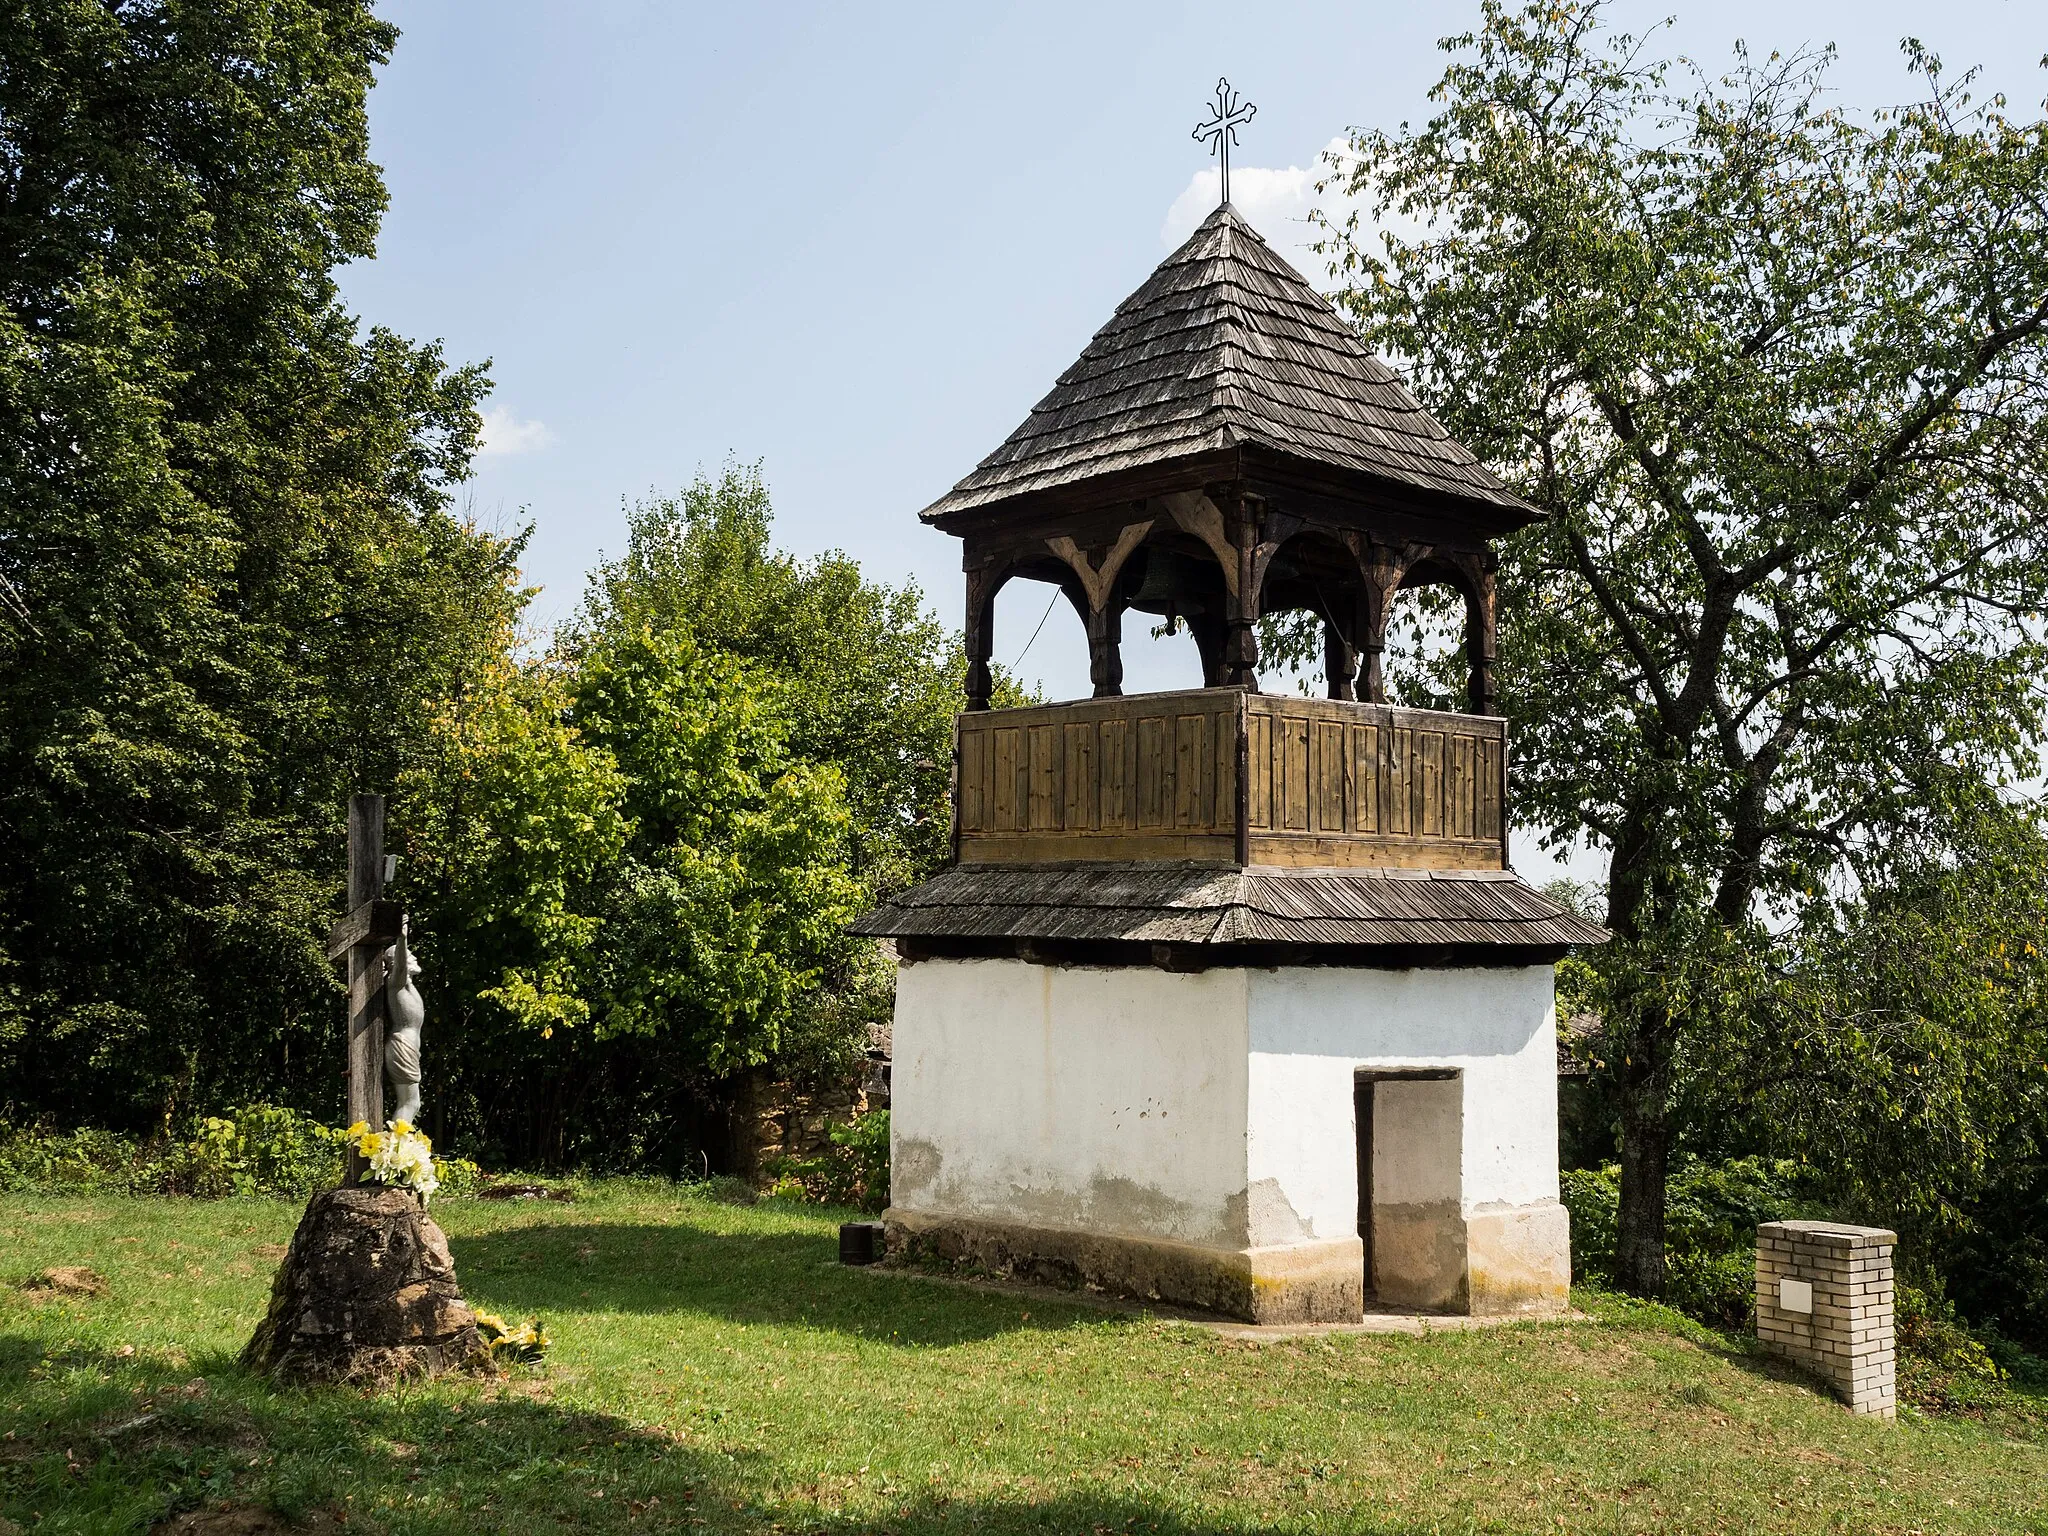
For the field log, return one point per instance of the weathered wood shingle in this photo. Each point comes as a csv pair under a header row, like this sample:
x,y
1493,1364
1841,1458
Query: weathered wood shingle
x,y
1212,906
1227,346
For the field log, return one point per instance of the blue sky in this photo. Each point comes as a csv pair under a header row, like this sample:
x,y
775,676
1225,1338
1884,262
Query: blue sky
x,y
857,243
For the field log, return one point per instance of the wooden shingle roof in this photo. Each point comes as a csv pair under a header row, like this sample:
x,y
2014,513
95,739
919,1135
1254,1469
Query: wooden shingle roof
x,y
1229,906
1227,346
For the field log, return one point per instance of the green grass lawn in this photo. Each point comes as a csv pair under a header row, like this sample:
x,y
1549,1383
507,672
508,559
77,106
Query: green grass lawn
x,y
713,1368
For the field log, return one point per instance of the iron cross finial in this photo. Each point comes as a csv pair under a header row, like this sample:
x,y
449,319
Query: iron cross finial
x,y
1225,116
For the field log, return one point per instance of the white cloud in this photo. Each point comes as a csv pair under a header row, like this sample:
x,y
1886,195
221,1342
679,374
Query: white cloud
x,y
505,433
1276,201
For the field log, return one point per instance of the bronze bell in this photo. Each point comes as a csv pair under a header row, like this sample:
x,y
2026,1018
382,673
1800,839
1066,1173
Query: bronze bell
x,y
1172,583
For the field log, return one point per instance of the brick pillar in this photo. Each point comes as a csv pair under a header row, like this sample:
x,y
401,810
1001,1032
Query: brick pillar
x,y
1824,1299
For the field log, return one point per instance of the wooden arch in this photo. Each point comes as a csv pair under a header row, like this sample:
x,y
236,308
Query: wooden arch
x,y
1155,555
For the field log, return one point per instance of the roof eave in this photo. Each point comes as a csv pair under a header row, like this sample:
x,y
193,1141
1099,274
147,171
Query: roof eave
x,y
1492,516
955,514
958,514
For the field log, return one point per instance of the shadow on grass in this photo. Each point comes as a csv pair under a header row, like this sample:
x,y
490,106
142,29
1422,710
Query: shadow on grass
x,y
18,1357
1075,1514
784,1278
104,1442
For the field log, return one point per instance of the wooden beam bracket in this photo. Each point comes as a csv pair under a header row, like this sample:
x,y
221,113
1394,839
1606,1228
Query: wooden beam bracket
x,y
376,920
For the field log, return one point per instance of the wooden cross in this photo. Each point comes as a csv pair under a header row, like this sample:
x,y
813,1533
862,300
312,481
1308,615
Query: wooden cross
x,y
372,926
1220,127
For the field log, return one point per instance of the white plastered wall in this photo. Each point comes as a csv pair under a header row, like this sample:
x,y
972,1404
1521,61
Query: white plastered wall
x,y
1104,1099
1313,1028
1216,1107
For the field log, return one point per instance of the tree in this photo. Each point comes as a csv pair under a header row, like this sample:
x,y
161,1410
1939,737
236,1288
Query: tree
x,y
862,684
734,898
1775,374
508,824
224,519
628,890
873,678
1922,1046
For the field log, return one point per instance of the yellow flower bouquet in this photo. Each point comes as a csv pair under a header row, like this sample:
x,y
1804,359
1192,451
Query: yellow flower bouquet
x,y
398,1156
509,1345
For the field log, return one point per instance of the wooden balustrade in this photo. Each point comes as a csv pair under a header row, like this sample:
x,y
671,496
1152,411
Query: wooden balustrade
x,y
1221,775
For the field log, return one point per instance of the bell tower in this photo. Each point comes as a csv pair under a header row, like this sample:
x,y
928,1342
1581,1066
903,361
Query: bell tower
x,y
1227,998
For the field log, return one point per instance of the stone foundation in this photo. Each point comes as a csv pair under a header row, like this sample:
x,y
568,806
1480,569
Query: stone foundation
x,y
1518,1261
367,1295
1311,1282
1824,1300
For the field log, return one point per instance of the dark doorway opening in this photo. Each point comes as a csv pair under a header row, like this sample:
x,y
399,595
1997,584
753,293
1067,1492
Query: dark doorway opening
x,y
1364,1088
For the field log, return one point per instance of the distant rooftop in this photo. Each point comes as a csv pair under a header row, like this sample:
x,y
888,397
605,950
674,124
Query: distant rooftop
x,y
1227,346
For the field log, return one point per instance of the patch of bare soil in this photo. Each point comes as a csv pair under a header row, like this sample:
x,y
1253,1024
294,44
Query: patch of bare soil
x,y
68,1280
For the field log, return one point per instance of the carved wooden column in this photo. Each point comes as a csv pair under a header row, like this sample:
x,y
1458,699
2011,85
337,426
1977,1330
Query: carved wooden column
x,y
1241,635
1105,647
1208,631
1093,592
1372,646
1196,513
1384,566
983,580
1480,633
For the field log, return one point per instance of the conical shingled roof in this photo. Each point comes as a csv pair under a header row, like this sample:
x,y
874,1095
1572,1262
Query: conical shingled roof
x,y
1227,346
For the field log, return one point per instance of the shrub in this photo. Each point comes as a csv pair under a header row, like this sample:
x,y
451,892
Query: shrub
x,y
1715,1208
1711,1215
1712,1212
865,1144
259,1149
2018,1362
1929,1328
1942,1364
1716,1288
83,1161
1593,1196
853,1171
459,1177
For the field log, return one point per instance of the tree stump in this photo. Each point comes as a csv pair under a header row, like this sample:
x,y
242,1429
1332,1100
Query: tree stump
x,y
366,1295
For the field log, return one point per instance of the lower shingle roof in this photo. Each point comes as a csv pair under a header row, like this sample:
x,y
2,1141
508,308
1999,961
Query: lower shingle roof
x,y
1208,905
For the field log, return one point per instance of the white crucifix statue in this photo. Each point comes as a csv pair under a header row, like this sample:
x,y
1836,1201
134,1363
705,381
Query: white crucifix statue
x,y
1226,115
405,1012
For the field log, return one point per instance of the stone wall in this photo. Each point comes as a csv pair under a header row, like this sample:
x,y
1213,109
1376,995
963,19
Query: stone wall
x,y
773,1120
1824,1300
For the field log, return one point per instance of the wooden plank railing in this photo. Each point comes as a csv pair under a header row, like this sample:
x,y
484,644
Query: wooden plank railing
x,y
1225,776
